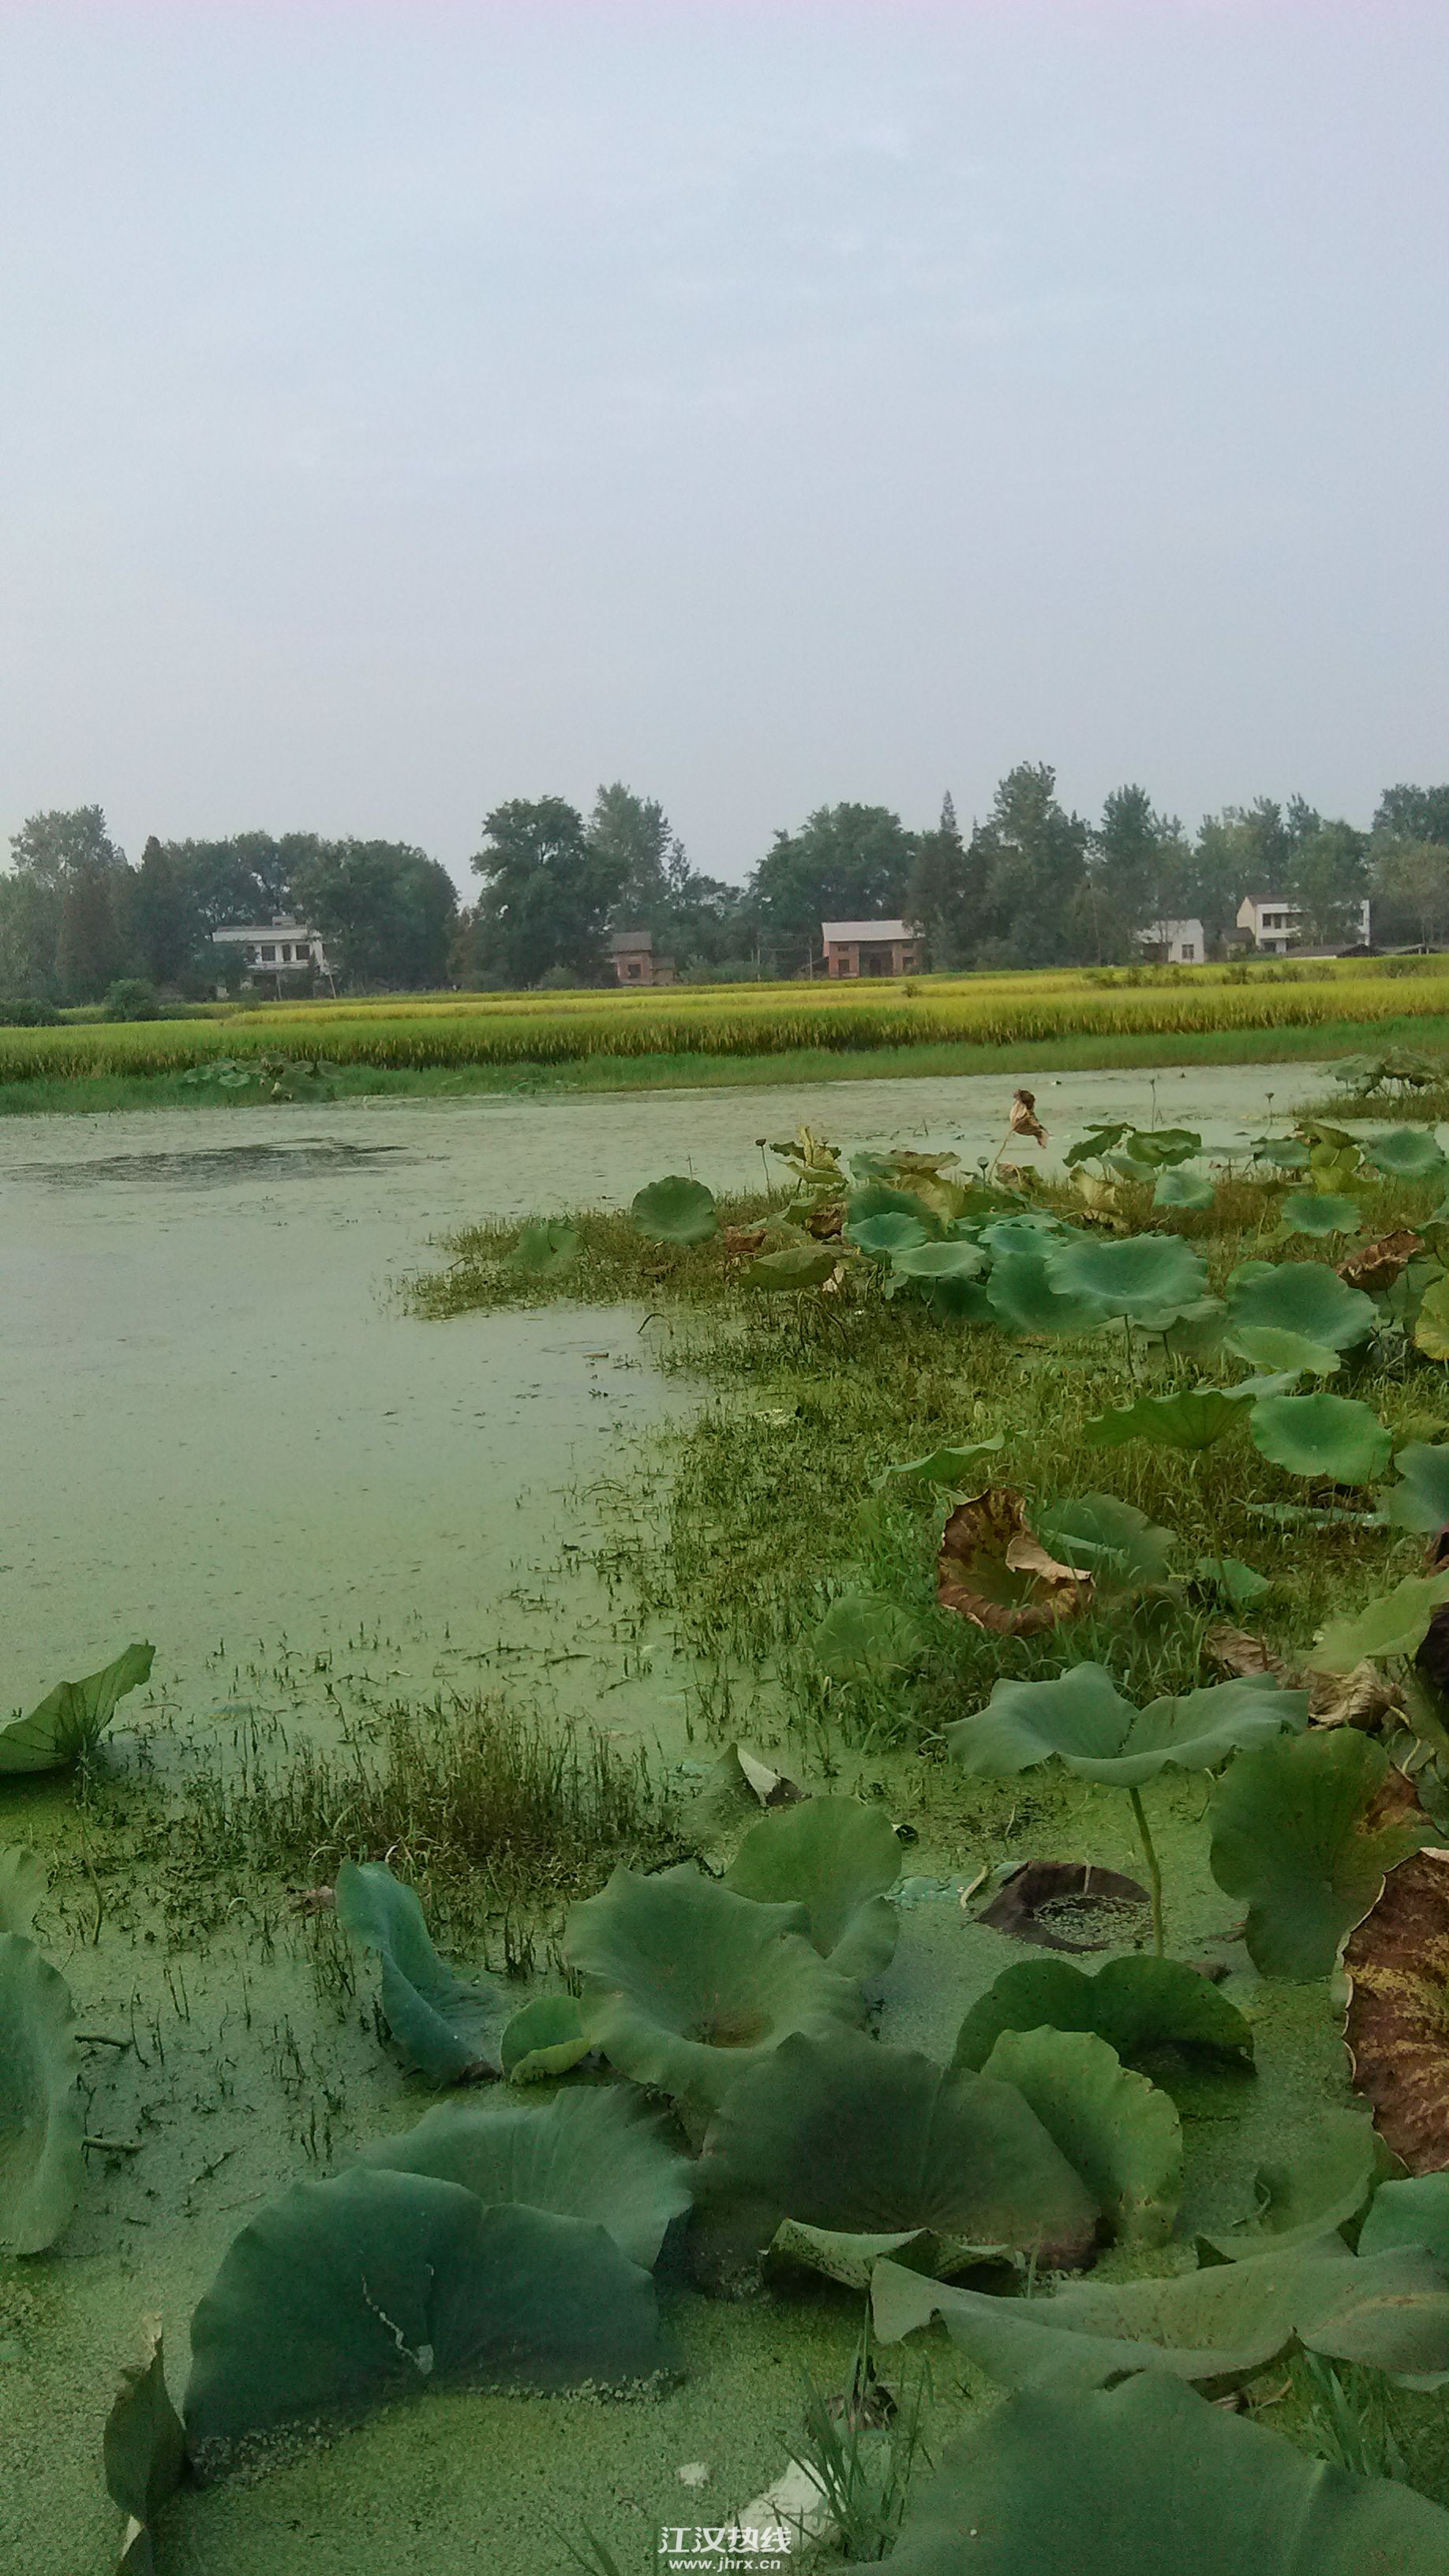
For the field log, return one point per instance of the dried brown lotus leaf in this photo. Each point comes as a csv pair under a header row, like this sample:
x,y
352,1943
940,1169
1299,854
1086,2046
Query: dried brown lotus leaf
x,y
1398,2013
1378,1265
994,1570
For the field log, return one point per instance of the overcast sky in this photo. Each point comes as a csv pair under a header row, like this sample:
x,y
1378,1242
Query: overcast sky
x,y
403,408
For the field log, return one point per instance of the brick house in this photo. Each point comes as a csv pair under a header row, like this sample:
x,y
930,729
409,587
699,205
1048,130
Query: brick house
x,y
631,953
872,948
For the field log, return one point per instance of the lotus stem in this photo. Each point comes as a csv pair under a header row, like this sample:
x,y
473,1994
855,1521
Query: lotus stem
x,y
1154,1874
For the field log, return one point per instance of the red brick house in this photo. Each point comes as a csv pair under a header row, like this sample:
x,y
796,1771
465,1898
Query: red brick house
x,y
872,948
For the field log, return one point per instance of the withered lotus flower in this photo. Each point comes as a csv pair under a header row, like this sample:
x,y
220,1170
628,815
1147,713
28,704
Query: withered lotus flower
x,y
1024,1120
994,1570
1398,2012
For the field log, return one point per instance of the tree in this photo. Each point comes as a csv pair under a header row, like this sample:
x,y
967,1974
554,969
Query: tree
x,y
386,911
90,950
630,835
846,863
163,921
1327,878
1413,814
49,849
1033,855
1139,864
944,891
1411,892
29,934
547,894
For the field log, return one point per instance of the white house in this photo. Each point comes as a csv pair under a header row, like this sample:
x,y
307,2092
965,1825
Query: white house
x,y
1272,923
275,948
1179,943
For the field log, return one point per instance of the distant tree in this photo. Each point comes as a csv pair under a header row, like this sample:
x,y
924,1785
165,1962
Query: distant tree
x,y
944,892
1410,892
1327,878
90,950
1033,855
29,935
49,849
1139,863
631,836
386,910
1413,814
163,923
845,863
547,895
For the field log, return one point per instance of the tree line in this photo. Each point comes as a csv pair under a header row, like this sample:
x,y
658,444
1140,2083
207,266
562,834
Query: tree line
x,y
1031,884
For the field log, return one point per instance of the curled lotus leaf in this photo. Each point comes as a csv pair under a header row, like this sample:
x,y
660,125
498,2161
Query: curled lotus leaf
x,y
1150,1278
1098,1534
1118,2131
22,1887
545,2037
1317,2191
866,1636
1292,1835
1082,1719
1024,1299
1138,2005
687,1983
675,1210
143,2450
1407,1154
1431,1324
592,2153
850,2144
1322,1435
948,1466
1420,1500
41,2128
1286,1354
448,2025
1149,2476
1377,1265
799,1266
1303,1297
546,1249
837,1857
1395,1623
882,1237
73,1717
1192,1417
1398,2018
994,1571
342,2295
1318,1212
880,1198
1179,1188
1415,2212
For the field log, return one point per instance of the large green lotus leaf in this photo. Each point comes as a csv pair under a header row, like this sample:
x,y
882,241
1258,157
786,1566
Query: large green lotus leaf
x,y
933,1264
1431,1324
1415,2212
1287,1354
1192,1417
1318,1212
837,1858
1396,1623
545,2037
72,1717
1303,1297
880,1198
592,2153
1111,1540
884,1236
543,1250
1322,1435
40,2119
1137,2005
1420,1501
687,1983
675,1210
446,2024
801,1266
1083,1718
1101,1136
1029,1234
1224,2322
1120,2133
1150,2480
22,1887
1024,1300
958,1301
1179,1188
1407,1154
1151,1277
949,1466
1321,2187
143,2450
855,2141
865,1636
1289,1836
1165,1146
344,2294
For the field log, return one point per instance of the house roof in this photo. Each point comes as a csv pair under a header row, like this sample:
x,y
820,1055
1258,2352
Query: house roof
x,y
622,940
285,929
838,931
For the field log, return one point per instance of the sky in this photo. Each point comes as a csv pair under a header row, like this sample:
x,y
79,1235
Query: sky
x,y
410,407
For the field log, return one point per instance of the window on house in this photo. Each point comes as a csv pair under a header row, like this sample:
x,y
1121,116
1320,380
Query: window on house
x,y
268,954
1189,953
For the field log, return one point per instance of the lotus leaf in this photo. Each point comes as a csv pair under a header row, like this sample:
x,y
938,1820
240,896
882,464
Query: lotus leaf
x,y
546,2037
40,2120
1407,1154
933,1264
1137,2005
1165,1145
878,1198
1395,1624
1415,2212
143,2451
1314,2193
593,2153
1101,1136
1431,1327
1290,1835
1150,2477
1303,1297
687,1983
883,1236
864,1636
1420,1501
856,2144
1082,1717
341,2295
1028,1234
1120,2133
1150,1278
837,1858
22,1887
1318,1212
1322,1435
1024,1300
446,2024
1178,1188
545,1250
72,1717
948,1466
1193,1417
1288,1354
801,1266
1241,1586
1224,2322
958,1301
994,1571
1397,2029
1117,1545
1280,1153
675,1210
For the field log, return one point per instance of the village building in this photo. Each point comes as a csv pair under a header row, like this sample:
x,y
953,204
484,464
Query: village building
x,y
1174,943
270,950
632,955
1271,924
872,948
